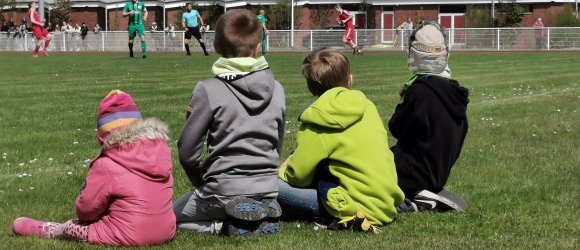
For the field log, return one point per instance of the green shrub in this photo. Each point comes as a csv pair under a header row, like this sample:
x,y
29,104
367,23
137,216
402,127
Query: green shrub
x,y
565,18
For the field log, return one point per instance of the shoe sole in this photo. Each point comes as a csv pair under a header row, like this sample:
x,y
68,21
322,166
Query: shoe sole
x,y
454,198
248,209
237,228
430,196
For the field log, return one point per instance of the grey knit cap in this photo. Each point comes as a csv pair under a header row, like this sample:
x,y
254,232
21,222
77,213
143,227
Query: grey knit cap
x,y
428,50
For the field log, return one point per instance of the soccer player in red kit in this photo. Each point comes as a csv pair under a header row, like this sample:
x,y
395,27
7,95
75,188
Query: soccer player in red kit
x,y
345,18
38,30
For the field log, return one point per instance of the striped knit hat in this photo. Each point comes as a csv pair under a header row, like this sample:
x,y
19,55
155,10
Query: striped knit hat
x,y
115,111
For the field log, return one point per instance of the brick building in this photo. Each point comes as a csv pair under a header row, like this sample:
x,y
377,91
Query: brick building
x,y
311,14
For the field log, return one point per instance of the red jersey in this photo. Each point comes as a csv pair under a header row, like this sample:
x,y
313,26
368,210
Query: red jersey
x,y
36,17
345,15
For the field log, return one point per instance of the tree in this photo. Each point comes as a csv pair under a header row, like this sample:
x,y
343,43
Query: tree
x,y
8,4
565,18
478,16
212,13
320,15
280,14
61,11
511,12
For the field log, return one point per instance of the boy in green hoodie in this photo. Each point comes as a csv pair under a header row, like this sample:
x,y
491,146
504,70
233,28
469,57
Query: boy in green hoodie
x,y
239,115
342,160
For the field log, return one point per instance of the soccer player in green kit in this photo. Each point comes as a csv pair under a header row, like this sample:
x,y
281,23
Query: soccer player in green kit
x,y
262,19
137,15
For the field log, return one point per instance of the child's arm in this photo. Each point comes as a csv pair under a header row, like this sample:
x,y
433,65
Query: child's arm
x,y
301,166
93,200
411,113
190,144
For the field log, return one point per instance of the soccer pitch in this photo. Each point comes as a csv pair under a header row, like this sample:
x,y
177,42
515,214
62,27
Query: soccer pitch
x,y
519,168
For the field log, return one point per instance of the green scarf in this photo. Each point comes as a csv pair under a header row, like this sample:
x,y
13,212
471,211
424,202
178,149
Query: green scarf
x,y
445,74
239,65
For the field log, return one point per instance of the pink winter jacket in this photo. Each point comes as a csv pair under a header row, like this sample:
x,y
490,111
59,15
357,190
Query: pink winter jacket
x,y
129,187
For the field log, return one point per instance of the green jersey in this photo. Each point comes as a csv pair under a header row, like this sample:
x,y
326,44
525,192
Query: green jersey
x,y
139,8
262,19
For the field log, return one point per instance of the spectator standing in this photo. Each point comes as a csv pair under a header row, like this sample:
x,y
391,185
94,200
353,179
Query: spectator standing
x,y
84,32
154,39
539,33
97,29
406,27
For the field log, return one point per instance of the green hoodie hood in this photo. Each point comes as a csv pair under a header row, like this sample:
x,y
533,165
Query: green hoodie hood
x,y
239,65
337,108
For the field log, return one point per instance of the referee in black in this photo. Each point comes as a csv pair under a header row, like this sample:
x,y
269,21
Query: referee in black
x,y
189,21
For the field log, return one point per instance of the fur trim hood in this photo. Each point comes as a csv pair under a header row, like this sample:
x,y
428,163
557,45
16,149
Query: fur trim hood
x,y
148,129
142,148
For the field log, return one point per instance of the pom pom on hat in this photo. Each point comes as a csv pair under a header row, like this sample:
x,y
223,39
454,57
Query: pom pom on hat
x,y
116,110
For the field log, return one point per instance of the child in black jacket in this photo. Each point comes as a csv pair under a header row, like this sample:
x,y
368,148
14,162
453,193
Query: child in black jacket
x,y
430,124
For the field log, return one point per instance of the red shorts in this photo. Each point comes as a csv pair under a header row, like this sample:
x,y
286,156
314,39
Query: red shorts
x,y
39,32
349,34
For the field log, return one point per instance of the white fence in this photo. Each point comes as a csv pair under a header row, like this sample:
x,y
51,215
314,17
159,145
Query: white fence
x,y
506,39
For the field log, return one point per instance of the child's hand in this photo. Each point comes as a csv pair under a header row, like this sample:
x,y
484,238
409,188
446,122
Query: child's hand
x,y
285,163
402,94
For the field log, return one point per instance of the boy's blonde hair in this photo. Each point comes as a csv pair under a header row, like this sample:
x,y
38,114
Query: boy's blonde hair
x,y
237,34
325,69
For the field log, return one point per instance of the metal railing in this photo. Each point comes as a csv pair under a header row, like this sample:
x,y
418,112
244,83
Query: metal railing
x,y
482,39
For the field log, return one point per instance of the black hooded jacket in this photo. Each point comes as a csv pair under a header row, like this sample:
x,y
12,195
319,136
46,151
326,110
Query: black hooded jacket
x,y
430,126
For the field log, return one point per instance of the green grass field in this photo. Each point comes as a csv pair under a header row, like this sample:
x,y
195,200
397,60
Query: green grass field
x,y
519,169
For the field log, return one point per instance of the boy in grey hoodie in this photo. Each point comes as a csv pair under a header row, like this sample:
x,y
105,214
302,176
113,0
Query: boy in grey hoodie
x,y
241,111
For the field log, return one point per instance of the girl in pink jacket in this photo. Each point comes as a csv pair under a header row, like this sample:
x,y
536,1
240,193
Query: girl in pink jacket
x,y
126,198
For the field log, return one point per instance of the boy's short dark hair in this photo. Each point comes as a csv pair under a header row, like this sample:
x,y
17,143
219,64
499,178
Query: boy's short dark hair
x,y
237,34
325,69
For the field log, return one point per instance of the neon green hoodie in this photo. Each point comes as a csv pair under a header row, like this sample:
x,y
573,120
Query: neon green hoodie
x,y
344,127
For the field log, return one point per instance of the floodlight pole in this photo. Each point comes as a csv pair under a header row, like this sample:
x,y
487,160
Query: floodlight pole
x,y
576,3
492,9
41,9
292,25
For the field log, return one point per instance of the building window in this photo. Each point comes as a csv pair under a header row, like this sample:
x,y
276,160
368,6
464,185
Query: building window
x,y
528,8
452,8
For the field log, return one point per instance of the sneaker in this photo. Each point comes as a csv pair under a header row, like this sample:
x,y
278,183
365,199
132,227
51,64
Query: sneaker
x,y
359,50
461,203
188,54
248,228
247,209
44,52
354,51
24,226
431,201
357,223
206,53
35,55
144,56
131,54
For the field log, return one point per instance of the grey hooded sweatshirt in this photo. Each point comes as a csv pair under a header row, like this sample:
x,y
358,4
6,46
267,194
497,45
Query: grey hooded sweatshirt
x,y
242,116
